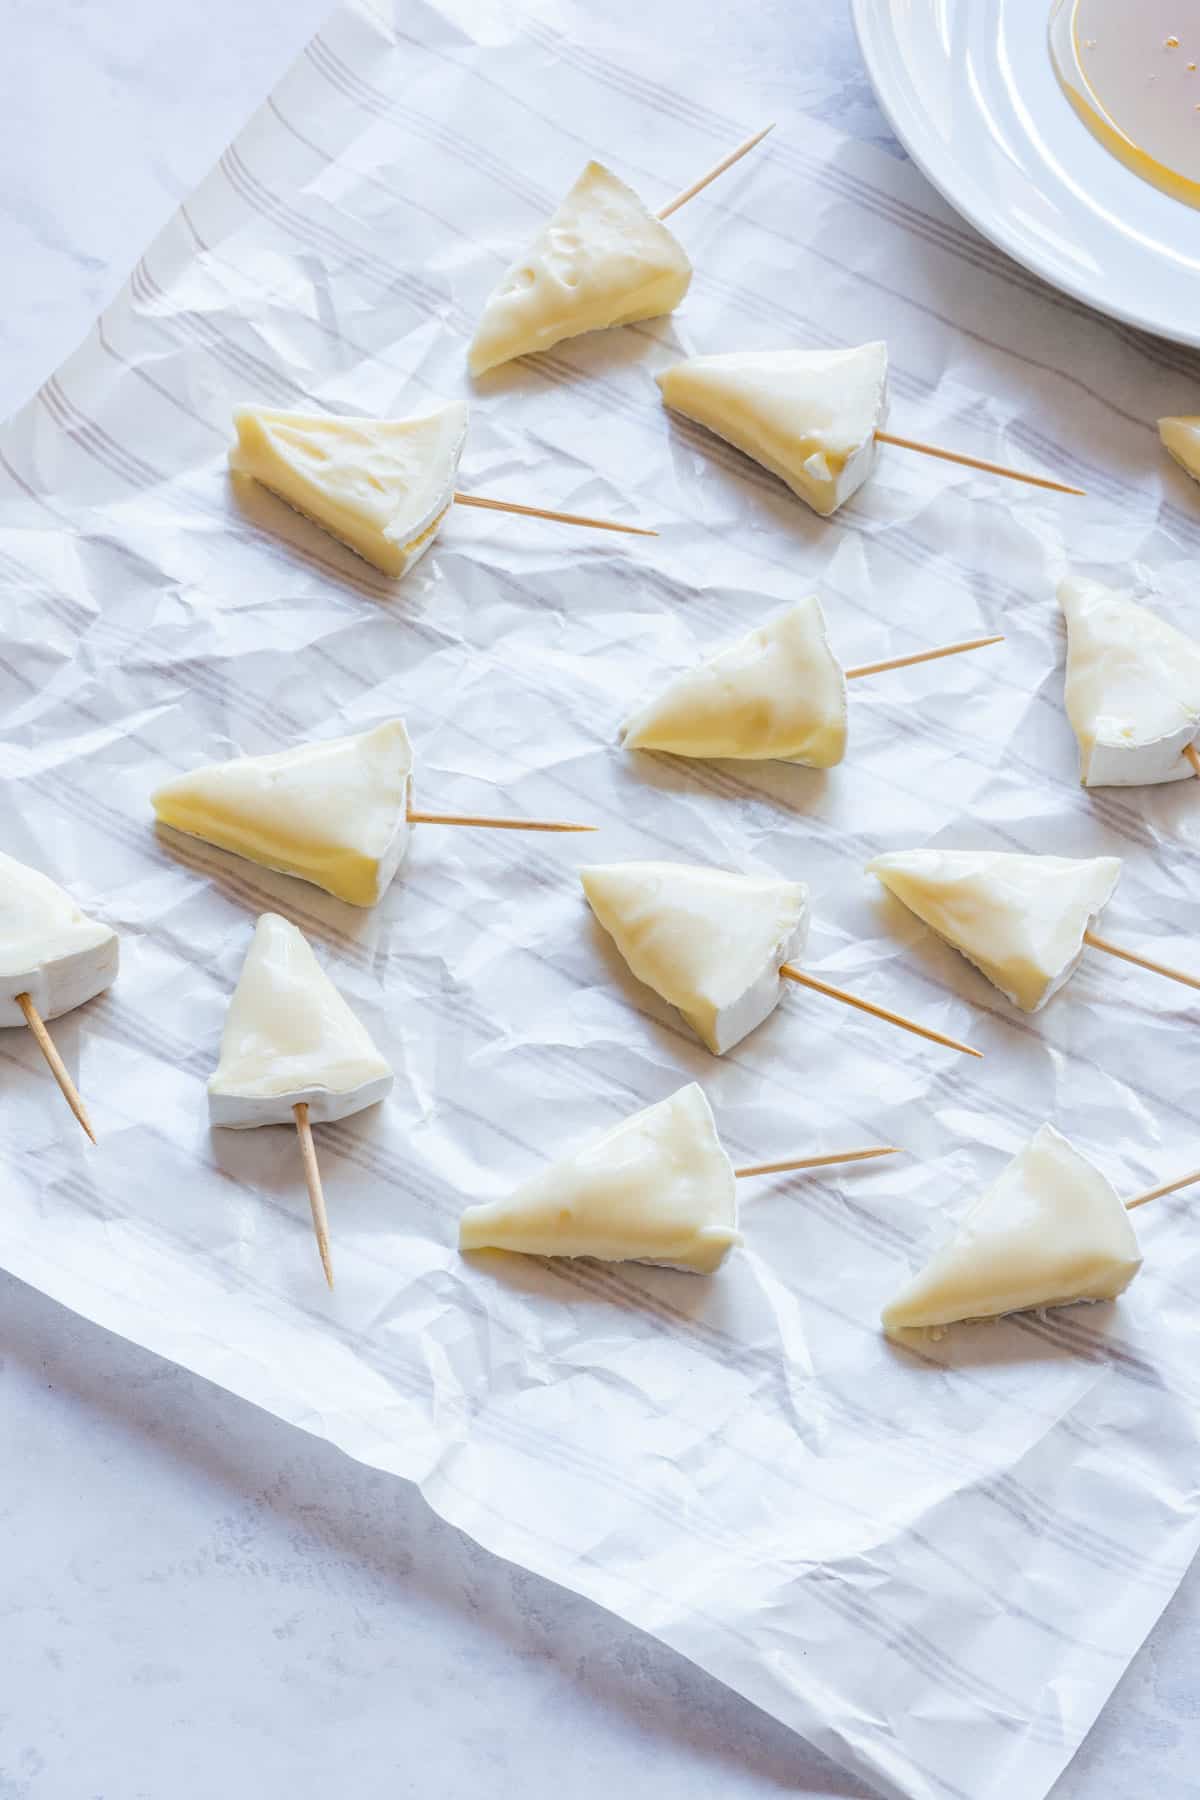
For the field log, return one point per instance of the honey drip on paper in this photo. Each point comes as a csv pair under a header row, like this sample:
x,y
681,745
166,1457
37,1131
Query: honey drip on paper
x,y
1129,69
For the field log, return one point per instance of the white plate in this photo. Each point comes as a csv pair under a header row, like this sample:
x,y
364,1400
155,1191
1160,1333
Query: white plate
x,y
970,91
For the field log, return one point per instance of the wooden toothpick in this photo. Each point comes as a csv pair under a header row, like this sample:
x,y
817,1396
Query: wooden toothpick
x,y
1193,756
726,162
1143,962
1168,1187
432,818
877,1012
920,656
316,1193
818,1162
58,1068
560,518
975,462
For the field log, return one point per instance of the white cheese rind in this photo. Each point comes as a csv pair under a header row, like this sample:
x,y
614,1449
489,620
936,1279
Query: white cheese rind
x,y
602,260
1020,919
1051,1231
49,949
1181,437
776,694
810,416
334,812
707,941
380,486
289,1037
1132,688
657,1188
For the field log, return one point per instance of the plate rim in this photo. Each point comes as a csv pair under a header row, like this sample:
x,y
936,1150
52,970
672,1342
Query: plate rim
x,y
864,16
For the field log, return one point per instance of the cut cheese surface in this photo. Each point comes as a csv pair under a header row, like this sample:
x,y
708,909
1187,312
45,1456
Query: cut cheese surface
x,y
289,1036
1020,919
707,941
333,812
778,692
656,1188
810,416
1181,436
381,486
1132,688
1051,1230
602,260
49,949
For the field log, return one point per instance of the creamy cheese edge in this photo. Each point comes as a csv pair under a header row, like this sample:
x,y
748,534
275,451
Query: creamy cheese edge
x,y
290,1036
658,1187
1050,1231
49,948
334,812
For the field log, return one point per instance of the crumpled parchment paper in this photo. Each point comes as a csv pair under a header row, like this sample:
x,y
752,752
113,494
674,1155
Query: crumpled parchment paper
x,y
936,1562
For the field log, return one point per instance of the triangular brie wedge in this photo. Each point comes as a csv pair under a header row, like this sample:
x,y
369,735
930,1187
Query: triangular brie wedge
x,y
289,1036
1132,688
48,948
657,1188
1182,438
708,942
1051,1230
810,416
334,813
602,260
382,486
777,693
1019,919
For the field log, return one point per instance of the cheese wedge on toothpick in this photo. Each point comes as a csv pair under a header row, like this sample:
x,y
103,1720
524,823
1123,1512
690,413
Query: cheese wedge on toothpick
x,y
49,950
603,259
1132,688
333,812
381,486
810,416
1020,919
657,1188
777,693
1050,1231
1181,436
52,959
708,942
290,1039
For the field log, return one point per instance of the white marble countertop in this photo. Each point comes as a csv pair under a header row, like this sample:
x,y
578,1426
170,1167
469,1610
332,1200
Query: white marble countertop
x,y
195,1598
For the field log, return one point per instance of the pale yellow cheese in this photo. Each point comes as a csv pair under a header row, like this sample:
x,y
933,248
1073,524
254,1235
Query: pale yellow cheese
x,y
707,941
289,1036
810,416
1132,688
778,692
656,1188
334,812
1181,436
602,260
49,949
1051,1230
1020,919
381,486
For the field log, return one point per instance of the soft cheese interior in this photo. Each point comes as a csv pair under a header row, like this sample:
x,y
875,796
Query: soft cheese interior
x,y
1051,1230
810,416
333,812
656,1188
602,260
707,941
49,949
1020,919
1132,688
778,692
289,1037
382,486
